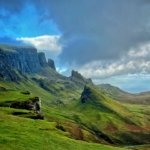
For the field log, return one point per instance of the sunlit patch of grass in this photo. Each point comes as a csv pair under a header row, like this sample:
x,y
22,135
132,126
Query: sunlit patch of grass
x,y
21,133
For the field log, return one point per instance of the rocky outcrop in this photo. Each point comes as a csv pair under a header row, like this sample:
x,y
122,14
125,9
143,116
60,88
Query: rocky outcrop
x,y
44,63
51,64
76,75
79,79
42,59
85,96
31,104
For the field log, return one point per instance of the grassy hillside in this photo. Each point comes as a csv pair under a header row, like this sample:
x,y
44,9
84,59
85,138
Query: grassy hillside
x,y
26,134
19,132
73,119
109,119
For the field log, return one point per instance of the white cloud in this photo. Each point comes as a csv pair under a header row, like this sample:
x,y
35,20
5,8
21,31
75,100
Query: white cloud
x,y
95,69
140,52
137,61
44,43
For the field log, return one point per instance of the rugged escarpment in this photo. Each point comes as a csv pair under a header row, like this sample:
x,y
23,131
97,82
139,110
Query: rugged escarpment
x,y
25,59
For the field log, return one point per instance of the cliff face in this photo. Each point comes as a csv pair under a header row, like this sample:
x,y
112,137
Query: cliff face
x,y
42,59
51,64
25,59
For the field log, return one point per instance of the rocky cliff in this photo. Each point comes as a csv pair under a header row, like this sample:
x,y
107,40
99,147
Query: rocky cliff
x,y
24,59
51,64
42,59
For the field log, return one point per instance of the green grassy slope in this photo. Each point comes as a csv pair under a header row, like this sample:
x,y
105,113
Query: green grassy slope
x,y
26,134
108,118
22,133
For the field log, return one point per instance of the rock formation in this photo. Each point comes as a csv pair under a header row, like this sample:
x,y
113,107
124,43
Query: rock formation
x,y
25,59
42,59
31,104
85,94
75,74
51,63
79,79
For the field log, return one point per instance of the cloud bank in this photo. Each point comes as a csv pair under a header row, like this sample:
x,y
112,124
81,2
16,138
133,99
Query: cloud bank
x,y
100,29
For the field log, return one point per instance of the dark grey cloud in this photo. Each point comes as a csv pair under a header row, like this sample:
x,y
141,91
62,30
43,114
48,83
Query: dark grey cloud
x,y
100,29
10,6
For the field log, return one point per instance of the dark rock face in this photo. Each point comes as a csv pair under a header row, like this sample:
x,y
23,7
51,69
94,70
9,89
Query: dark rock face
x,y
24,59
75,74
51,64
42,59
27,59
6,67
85,94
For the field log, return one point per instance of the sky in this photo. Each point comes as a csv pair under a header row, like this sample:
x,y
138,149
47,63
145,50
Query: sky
x,y
106,40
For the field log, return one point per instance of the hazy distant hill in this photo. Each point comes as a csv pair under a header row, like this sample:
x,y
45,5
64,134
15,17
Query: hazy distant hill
x,y
122,96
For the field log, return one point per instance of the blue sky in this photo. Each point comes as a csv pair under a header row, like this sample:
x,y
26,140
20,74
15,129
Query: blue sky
x,y
26,23
106,40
